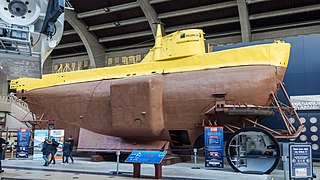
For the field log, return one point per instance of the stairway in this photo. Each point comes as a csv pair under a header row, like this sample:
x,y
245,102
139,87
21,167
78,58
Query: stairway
x,y
12,112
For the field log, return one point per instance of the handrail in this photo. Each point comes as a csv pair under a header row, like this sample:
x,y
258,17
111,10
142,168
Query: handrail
x,y
14,100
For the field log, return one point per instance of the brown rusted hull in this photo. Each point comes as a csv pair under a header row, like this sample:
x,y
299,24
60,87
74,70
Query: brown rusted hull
x,y
146,107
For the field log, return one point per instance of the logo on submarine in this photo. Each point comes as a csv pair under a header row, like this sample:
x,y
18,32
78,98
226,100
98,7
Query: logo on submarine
x,y
183,35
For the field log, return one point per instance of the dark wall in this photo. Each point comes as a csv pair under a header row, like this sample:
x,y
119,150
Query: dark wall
x,y
302,78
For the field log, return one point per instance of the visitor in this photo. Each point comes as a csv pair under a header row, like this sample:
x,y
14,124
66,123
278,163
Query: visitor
x,y
71,140
46,150
2,152
53,152
66,152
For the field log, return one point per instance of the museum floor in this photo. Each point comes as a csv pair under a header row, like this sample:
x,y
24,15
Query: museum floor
x,y
83,168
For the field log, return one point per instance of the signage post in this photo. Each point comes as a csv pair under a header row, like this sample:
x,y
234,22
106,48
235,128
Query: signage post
x,y
300,161
23,143
214,146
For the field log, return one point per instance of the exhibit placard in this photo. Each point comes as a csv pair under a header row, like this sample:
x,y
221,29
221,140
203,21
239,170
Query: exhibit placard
x,y
16,66
213,136
300,161
23,140
39,137
308,102
149,157
58,135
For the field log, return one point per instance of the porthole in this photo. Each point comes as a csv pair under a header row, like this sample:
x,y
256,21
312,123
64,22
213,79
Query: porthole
x,y
303,120
314,138
315,147
313,120
292,120
314,129
303,137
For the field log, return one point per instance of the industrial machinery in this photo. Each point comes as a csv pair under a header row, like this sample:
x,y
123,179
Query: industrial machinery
x,y
29,31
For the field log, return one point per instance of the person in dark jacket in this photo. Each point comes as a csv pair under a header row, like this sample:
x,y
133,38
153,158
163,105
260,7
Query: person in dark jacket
x,y
71,140
2,141
54,146
66,152
46,150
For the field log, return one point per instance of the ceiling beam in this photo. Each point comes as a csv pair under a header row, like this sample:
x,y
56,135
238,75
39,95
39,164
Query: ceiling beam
x,y
203,9
285,12
171,29
122,23
150,14
69,45
244,21
125,36
164,15
116,8
69,32
121,48
270,33
69,55
95,51
106,10
286,32
256,1
158,1
200,9
284,26
204,24
218,35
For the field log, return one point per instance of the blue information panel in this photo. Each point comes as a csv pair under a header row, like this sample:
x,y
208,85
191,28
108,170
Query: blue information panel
x,y
23,143
150,157
300,161
213,146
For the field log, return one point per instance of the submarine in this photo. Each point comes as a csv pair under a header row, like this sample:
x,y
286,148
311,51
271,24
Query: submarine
x,y
167,99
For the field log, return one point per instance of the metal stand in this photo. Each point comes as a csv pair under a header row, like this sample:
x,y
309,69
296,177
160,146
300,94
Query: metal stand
x,y
195,150
284,160
118,161
136,170
157,170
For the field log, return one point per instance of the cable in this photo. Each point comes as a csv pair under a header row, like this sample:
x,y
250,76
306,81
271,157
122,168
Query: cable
x,y
85,114
37,40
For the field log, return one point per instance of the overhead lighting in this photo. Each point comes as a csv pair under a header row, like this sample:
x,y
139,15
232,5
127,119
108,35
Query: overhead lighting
x,y
117,23
106,9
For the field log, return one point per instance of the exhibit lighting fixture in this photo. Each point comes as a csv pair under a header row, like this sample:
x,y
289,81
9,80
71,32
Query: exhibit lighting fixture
x,y
106,9
117,23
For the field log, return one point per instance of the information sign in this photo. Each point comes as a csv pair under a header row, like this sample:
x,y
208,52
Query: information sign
x,y
39,137
58,136
149,157
213,146
300,161
309,102
23,138
16,66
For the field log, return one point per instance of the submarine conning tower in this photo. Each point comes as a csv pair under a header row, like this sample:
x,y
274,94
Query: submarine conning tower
x,y
179,44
